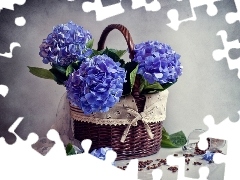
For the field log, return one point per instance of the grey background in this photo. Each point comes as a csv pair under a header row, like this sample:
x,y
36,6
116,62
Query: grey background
x,y
206,86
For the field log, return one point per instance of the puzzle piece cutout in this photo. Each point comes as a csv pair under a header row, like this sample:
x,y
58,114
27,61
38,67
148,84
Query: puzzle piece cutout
x,y
14,156
157,174
9,4
228,131
4,90
20,21
102,12
180,162
12,46
219,54
232,17
20,146
153,6
173,14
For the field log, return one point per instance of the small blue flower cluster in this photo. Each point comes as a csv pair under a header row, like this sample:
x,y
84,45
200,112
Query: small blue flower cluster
x,y
66,44
101,153
208,156
157,62
97,85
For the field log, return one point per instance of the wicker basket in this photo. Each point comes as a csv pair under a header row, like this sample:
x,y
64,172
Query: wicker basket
x,y
137,142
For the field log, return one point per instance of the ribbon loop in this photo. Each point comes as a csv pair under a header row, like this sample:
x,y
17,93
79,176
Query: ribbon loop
x,y
144,116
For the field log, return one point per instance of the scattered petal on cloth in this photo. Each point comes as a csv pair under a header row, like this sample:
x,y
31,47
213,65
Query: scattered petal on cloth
x,y
208,156
101,153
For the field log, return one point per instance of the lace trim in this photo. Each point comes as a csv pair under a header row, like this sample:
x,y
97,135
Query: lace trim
x,y
124,112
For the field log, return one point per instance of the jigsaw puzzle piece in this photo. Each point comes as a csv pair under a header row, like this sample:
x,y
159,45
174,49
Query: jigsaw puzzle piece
x,y
9,4
173,14
203,143
228,131
102,12
58,150
219,158
86,145
219,54
204,173
232,17
12,46
4,90
110,156
60,166
6,148
157,174
20,145
15,155
11,130
153,6
231,168
180,162
102,169
132,169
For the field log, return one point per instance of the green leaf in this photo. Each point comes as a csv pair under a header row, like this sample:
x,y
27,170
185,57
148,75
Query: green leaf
x,y
129,67
59,77
146,87
76,65
59,68
90,43
69,70
70,150
167,85
178,139
152,88
175,140
40,72
133,76
111,54
114,54
95,53
122,62
119,53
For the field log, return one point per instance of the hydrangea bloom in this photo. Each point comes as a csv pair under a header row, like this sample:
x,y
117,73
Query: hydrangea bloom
x,y
66,44
157,62
97,85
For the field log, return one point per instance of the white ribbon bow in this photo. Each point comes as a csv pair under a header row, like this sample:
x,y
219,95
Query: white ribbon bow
x,y
144,116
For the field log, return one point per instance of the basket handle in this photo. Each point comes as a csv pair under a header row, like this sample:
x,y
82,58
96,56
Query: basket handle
x,y
124,32
128,38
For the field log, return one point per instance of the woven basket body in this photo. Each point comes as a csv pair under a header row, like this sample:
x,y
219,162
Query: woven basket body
x,y
136,145
137,142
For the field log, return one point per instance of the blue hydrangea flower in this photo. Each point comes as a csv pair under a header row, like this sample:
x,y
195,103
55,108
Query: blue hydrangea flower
x,y
66,44
157,62
97,85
